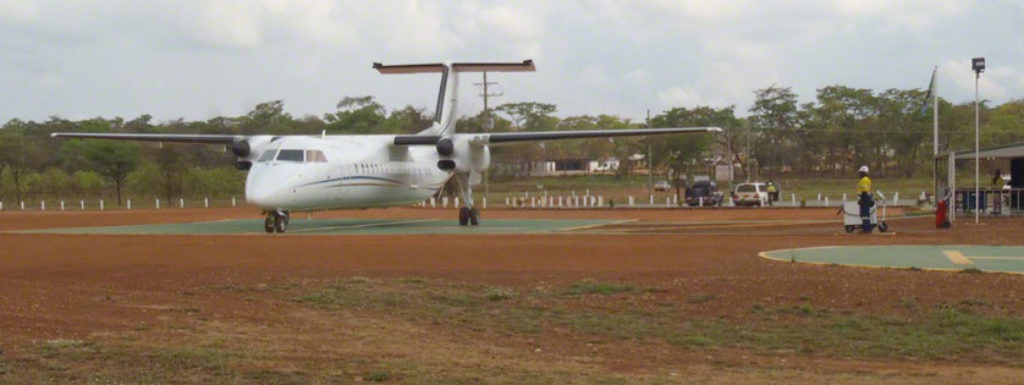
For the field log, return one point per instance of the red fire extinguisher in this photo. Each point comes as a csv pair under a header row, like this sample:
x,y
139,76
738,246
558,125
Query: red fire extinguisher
x,y
941,221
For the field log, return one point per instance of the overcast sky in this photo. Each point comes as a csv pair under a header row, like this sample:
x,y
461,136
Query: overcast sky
x,y
199,59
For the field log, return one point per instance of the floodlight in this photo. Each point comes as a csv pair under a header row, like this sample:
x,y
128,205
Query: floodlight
x,y
978,64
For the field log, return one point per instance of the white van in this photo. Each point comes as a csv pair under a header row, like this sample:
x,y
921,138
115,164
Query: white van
x,y
751,194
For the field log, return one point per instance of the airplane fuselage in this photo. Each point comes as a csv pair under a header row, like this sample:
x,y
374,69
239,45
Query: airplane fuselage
x,y
307,173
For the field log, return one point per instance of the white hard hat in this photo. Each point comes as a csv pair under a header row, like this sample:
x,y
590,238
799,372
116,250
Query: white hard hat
x,y
863,169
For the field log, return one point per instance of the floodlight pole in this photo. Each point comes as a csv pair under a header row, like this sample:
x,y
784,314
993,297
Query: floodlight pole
x,y
978,65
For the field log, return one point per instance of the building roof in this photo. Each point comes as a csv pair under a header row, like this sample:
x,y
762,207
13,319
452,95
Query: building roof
x,y
1015,150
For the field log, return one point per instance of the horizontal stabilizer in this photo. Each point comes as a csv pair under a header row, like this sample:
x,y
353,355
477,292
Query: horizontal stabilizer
x,y
524,66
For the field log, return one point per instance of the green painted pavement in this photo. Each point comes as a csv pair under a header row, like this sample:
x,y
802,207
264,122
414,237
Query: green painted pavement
x,y
950,257
343,227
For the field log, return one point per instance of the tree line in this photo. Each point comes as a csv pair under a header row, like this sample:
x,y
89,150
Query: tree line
x,y
840,130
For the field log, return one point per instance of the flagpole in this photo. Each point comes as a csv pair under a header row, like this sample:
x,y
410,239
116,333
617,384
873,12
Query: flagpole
x,y
935,133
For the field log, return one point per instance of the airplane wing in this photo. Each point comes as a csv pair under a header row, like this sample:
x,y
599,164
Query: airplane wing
x,y
514,137
178,138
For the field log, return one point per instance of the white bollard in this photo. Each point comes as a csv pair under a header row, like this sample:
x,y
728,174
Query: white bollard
x,y
82,204
826,201
533,203
896,199
206,202
61,206
631,201
433,202
1,206
819,196
794,199
844,198
652,200
181,203
101,205
600,201
456,202
129,204
700,202
484,202
668,202
233,202
157,203
22,205
42,205
506,201
675,199
560,200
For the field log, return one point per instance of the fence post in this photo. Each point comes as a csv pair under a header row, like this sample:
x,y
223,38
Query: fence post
x,y
794,199
42,205
896,199
826,201
129,204
600,201
652,200
22,203
484,202
61,206
1,206
158,203
631,201
101,205
433,202
82,204
181,203
233,202
206,202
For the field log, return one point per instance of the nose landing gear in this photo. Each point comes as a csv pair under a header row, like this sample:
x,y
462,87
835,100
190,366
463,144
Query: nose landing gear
x,y
276,221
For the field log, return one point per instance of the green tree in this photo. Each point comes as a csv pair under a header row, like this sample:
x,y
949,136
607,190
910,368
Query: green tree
x,y
114,160
356,115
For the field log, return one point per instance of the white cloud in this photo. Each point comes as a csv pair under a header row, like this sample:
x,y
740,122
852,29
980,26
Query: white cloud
x,y
17,10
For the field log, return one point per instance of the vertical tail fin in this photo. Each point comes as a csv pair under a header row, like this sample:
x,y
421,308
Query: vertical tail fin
x,y
445,115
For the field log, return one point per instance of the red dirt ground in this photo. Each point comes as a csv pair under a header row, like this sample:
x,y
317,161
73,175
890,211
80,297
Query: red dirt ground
x,y
61,286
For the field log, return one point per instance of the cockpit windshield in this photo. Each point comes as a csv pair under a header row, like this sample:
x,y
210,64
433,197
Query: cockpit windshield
x,y
267,155
299,156
290,156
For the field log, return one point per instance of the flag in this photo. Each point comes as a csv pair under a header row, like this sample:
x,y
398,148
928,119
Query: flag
x,y
928,95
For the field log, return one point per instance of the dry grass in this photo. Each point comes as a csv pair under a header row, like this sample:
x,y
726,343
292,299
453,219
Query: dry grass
x,y
426,331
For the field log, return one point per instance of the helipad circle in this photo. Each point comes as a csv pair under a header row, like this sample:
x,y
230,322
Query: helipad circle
x,y
1008,259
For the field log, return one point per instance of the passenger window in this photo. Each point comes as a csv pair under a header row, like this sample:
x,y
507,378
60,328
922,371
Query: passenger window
x,y
267,155
290,156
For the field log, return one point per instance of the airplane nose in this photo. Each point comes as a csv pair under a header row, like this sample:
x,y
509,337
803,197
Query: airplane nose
x,y
261,190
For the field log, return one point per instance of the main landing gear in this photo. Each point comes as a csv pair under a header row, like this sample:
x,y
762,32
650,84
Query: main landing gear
x,y
276,221
469,215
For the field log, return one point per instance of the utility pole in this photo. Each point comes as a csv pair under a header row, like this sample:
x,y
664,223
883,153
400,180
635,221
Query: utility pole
x,y
488,125
650,160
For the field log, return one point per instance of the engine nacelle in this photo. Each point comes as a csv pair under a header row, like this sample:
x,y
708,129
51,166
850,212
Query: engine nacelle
x,y
241,148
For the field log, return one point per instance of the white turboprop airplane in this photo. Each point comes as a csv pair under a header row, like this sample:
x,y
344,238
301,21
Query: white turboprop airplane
x,y
300,172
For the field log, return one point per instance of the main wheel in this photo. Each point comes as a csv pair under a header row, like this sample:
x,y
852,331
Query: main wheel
x,y
280,223
851,228
474,216
883,227
268,223
463,216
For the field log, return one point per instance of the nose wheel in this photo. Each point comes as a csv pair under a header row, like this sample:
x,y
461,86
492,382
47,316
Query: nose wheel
x,y
276,221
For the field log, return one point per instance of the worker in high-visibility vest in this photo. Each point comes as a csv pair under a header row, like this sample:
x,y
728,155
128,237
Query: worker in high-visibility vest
x,y
866,201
